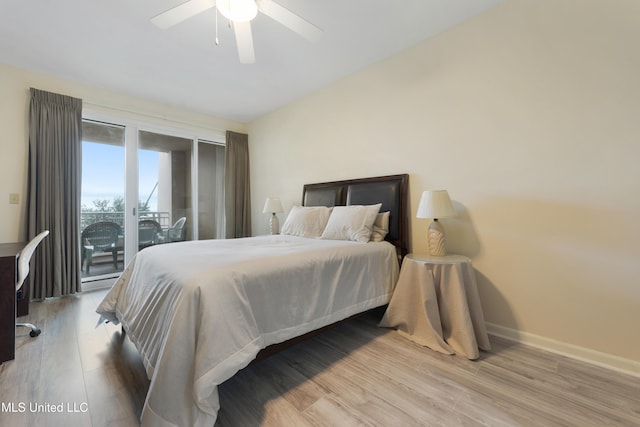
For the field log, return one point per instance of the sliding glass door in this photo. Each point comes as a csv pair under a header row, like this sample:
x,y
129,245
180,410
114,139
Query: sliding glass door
x,y
102,214
165,212
141,187
210,190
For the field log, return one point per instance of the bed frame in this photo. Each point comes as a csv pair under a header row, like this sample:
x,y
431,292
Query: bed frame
x,y
390,190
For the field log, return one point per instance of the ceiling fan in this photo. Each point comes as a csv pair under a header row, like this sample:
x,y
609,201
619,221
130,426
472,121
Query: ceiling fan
x,y
240,13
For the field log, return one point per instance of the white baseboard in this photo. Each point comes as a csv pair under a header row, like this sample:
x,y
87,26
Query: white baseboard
x,y
605,360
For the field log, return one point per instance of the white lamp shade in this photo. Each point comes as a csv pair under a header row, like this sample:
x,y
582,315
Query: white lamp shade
x,y
272,205
238,10
435,204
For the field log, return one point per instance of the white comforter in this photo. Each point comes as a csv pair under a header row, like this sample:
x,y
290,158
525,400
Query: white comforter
x,y
200,311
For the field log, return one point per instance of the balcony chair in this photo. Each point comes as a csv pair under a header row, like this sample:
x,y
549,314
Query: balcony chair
x,y
177,233
23,272
149,232
99,237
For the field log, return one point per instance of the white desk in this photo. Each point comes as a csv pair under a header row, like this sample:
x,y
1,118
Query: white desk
x,y
436,304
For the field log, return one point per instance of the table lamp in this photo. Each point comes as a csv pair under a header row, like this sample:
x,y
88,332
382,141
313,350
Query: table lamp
x,y
274,206
435,204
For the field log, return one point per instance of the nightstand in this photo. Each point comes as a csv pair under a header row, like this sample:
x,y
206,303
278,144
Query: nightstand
x,y
436,304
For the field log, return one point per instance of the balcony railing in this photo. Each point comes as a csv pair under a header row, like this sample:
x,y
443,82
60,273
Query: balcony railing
x,y
86,218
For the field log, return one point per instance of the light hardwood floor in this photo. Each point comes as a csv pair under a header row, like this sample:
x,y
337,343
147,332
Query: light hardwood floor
x,y
353,375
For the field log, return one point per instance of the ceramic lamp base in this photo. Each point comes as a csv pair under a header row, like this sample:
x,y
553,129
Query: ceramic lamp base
x,y
274,223
435,237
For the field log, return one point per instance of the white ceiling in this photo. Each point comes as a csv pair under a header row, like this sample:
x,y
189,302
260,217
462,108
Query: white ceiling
x,y
111,44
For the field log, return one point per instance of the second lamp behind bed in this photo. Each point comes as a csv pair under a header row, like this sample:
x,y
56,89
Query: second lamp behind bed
x,y
274,206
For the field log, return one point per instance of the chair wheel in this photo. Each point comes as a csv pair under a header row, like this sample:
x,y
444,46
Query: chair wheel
x,y
35,333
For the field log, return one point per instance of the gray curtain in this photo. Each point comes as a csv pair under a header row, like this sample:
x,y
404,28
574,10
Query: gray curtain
x,y
236,186
55,161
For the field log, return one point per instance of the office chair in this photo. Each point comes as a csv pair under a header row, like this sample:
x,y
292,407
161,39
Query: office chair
x,y
23,272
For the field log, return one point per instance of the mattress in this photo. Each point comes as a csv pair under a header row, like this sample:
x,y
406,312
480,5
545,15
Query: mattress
x,y
200,311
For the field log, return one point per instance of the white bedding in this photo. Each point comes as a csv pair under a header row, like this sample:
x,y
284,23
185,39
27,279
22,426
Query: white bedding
x,y
200,311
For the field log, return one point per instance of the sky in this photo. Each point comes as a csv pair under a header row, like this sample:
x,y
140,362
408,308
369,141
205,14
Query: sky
x,y
103,173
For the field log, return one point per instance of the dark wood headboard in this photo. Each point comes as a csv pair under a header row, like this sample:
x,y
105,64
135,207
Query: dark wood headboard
x,y
390,190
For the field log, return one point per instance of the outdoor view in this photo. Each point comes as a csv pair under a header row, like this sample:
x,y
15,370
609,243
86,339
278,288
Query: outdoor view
x,y
100,161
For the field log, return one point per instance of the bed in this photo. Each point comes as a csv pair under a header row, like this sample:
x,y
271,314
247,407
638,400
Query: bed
x,y
200,311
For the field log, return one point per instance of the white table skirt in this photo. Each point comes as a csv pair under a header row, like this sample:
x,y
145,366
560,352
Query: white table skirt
x,y
436,304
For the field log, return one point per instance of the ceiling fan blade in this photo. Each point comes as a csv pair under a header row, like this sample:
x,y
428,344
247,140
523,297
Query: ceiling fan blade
x,y
289,19
181,12
244,40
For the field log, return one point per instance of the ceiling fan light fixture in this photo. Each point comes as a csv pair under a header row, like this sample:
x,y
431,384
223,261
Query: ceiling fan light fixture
x,y
238,10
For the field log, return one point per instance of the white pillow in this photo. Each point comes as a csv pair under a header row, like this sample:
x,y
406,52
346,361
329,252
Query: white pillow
x,y
353,222
306,221
380,227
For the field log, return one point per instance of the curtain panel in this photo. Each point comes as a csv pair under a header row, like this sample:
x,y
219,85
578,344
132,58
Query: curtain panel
x,y
236,186
55,162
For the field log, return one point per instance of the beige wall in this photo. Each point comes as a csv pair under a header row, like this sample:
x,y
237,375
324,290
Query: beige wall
x,y
14,104
528,115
